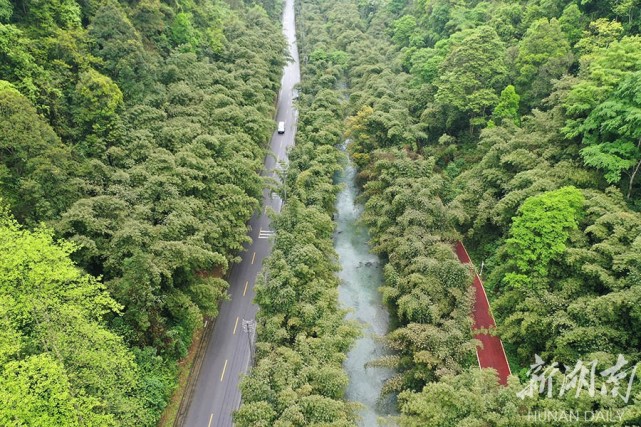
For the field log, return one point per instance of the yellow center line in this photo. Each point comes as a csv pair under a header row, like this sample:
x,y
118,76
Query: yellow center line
x,y
254,257
210,418
245,291
224,368
235,326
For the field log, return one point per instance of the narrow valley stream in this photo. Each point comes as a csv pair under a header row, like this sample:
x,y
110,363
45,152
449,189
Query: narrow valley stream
x,y
361,275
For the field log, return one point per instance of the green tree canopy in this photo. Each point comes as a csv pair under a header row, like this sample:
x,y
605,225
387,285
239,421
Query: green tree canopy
x,y
612,133
35,166
470,76
544,55
53,314
539,233
508,106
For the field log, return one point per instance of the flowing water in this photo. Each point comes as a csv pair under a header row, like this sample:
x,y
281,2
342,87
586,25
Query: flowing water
x,y
361,276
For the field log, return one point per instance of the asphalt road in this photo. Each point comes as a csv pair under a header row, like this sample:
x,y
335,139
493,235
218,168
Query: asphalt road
x,y
216,394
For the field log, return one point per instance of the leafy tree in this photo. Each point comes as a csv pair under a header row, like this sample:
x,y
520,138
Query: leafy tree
x,y
544,55
98,101
508,106
37,391
611,133
56,312
626,7
569,317
118,44
469,77
46,16
35,168
403,29
6,10
18,66
538,234
467,399
600,34
424,63
183,32
149,18
572,22
602,109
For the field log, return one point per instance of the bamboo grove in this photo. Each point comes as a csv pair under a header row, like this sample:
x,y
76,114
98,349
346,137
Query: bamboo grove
x,y
512,126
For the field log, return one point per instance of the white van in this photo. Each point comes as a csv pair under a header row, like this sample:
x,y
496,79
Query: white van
x,y
281,127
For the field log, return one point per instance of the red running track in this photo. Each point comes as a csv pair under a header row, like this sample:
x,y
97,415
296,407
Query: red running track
x,y
492,354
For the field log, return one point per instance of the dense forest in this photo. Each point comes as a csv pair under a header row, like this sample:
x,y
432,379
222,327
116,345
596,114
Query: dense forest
x,y
132,137
513,126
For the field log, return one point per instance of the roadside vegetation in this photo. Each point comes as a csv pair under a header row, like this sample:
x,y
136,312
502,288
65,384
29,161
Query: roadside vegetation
x,y
302,338
136,133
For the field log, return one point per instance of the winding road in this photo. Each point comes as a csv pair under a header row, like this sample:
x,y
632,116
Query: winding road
x,y
216,395
491,354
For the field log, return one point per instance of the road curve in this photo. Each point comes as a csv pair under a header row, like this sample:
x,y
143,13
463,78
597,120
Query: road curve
x,y
216,394
491,354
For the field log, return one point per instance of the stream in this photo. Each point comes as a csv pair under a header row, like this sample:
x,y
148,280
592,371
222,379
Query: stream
x,y
361,276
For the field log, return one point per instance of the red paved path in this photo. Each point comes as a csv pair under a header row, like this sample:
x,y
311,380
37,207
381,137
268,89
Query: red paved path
x,y
492,355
